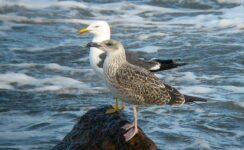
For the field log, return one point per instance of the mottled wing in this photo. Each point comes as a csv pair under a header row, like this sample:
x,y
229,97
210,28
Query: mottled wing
x,y
141,86
176,96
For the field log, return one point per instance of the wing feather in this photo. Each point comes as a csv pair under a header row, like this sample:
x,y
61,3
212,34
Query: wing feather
x,y
143,84
146,87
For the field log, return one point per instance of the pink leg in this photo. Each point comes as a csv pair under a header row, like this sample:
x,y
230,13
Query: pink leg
x,y
132,128
128,126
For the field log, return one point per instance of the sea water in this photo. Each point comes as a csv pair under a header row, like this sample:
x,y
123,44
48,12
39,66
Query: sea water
x,y
46,82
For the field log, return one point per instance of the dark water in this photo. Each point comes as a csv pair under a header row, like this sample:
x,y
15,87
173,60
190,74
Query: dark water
x,y
46,81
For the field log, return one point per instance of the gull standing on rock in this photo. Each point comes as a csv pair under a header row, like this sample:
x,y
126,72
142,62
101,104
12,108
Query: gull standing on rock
x,y
101,32
133,84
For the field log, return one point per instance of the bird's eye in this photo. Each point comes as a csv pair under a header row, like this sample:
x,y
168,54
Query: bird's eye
x,y
109,44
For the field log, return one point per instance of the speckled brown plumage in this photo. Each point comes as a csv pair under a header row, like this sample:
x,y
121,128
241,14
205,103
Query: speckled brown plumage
x,y
135,84
140,86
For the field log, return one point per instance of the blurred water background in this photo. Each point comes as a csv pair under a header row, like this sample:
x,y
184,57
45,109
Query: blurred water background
x,y
46,82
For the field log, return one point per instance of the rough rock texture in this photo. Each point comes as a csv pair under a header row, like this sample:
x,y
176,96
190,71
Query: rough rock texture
x,y
99,131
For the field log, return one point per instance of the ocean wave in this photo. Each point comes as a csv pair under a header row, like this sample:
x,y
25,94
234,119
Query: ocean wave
x,y
199,89
151,35
30,4
220,18
51,66
9,20
186,77
61,84
231,17
147,49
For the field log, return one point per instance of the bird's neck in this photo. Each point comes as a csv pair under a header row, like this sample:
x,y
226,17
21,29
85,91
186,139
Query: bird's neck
x,y
95,52
114,60
111,66
101,37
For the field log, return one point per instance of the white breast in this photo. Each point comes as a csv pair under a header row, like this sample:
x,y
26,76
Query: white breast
x,y
95,59
95,52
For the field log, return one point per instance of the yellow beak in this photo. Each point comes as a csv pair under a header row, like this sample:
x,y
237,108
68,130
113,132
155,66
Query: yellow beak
x,y
82,31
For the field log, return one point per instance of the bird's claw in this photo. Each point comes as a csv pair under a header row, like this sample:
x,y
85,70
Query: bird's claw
x,y
131,131
115,108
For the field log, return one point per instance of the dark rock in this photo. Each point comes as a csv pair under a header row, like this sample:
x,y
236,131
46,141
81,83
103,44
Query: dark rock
x,y
99,131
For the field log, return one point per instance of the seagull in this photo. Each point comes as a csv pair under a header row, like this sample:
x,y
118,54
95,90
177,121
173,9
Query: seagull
x,y
101,32
134,84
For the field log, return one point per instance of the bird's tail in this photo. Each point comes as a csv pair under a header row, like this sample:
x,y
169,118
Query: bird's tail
x,y
168,64
192,99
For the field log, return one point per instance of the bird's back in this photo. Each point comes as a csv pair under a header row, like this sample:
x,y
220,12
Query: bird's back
x,y
139,86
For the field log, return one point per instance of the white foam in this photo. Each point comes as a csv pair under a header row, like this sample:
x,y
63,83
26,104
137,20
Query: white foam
x,y
21,65
241,104
199,89
131,8
38,49
188,77
10,18
6,86
49,66
233,89
19,78
54,66
30,4
48,88
131,17
63,82
230,2
231,17
202,144
202,20
51,83
147,36
147,49
70,4
219,18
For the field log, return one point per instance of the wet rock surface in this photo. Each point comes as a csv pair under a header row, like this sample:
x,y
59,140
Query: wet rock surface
x,y
99,131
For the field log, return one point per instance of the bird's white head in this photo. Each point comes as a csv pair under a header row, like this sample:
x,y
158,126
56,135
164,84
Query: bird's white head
x,y
100,30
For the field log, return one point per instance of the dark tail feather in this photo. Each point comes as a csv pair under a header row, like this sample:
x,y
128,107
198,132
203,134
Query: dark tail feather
x,y
192,99
168,64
